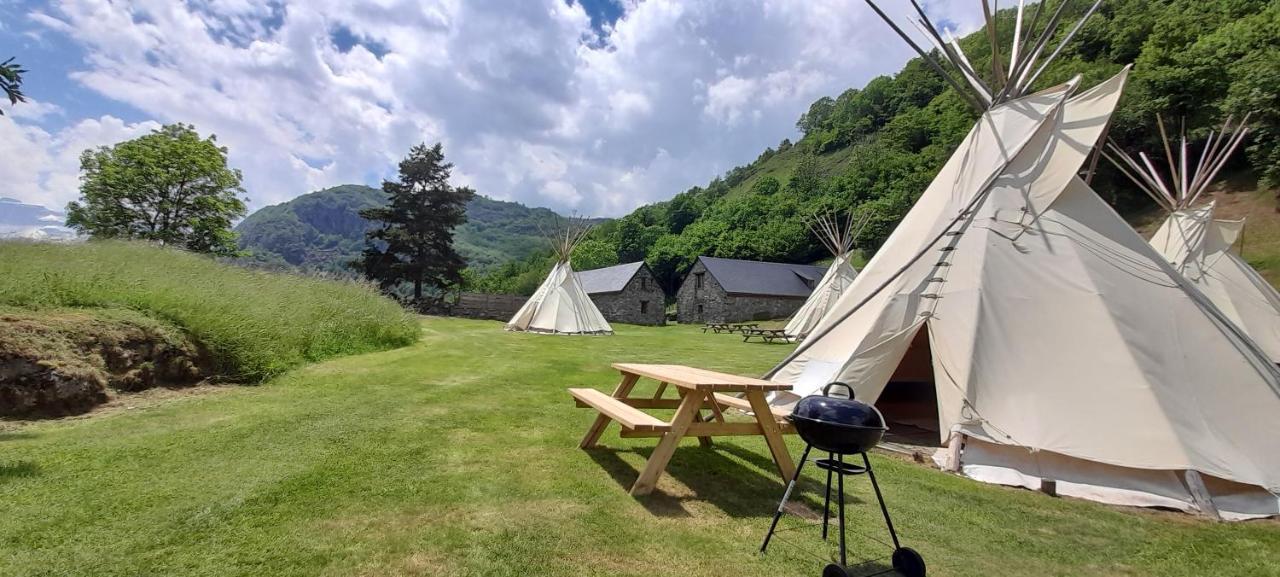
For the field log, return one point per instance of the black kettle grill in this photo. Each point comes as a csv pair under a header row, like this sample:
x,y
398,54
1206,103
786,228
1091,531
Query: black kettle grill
x,y
842,426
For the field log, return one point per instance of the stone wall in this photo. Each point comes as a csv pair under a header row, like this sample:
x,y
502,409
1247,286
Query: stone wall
x,y
484,306
641,302
711,304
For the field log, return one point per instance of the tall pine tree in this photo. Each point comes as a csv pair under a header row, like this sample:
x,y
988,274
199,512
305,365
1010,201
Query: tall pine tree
x,y
412,241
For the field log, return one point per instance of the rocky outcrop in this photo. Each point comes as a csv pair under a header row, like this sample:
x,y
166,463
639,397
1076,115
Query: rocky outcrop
x,y
57,363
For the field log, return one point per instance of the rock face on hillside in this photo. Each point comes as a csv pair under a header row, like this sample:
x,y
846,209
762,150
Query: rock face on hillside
x,y
64,363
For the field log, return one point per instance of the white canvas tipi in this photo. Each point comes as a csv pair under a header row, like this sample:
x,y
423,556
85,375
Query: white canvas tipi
x,y
839,240
560,305
1062,350
1199,245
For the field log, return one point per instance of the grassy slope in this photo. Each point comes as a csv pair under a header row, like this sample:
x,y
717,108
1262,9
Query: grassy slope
x,y
256,324
458,456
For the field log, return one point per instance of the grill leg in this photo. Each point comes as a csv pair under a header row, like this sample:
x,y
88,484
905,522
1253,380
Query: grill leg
x,y
786,495
843,562
826,503
880,498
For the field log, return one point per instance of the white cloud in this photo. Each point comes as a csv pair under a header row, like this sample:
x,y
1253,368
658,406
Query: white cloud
x,y
41,167
530,103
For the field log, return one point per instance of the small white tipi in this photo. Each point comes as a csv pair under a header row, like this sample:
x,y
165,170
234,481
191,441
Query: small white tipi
x,y
1060,351
1199,245
560,305
839,240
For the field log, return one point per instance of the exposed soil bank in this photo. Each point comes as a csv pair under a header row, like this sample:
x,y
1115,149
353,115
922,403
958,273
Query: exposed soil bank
x,y
57,363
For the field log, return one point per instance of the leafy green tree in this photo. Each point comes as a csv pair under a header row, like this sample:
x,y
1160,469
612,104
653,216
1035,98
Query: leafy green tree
x,y
594,253
170,186
766,186
805,180
11,82
412,237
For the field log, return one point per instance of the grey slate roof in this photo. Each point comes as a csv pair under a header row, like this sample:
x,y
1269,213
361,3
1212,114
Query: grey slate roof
x,y
609,279
752,277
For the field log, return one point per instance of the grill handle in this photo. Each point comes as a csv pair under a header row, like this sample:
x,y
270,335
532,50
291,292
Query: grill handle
x,y
826,391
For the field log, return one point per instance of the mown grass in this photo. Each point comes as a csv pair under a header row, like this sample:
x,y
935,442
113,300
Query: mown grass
x,y
458,456
255,324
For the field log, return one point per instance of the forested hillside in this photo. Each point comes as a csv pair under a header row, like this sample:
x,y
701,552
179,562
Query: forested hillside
x,y
323,230
876,148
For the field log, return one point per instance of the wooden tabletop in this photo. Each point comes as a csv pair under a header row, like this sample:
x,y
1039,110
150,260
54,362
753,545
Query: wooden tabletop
x,y
700,379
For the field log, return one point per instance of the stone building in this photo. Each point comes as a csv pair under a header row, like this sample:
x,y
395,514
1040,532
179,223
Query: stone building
x,y
722,290
626,293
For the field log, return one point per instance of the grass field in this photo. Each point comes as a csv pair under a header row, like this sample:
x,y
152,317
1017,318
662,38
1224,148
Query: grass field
x,y
458,456
256,324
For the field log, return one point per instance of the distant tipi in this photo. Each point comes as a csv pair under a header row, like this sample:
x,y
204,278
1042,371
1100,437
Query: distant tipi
x,y
1199,245
839,241
560,305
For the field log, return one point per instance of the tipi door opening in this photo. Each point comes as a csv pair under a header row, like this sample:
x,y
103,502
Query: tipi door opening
x,y
909,402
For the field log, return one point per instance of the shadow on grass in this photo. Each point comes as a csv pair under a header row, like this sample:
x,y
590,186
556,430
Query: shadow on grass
x,y
18,470
712,477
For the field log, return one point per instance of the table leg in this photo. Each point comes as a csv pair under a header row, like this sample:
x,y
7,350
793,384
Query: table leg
x,y
597,428
689,406
772,434
697,418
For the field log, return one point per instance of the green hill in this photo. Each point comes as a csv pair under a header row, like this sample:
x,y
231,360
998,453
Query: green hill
x,y
323,230
876,148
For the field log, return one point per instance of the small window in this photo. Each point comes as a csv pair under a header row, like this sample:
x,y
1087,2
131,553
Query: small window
x,y
697,280
644,307
644,283
699,311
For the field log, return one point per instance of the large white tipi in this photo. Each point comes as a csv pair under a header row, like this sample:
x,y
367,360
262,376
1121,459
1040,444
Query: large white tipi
x,y
1062,351
560,305
839,240
1199,245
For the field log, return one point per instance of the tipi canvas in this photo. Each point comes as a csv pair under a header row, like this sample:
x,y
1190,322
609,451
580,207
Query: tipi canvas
x,y
560,305
839,240
1199,245
1063,351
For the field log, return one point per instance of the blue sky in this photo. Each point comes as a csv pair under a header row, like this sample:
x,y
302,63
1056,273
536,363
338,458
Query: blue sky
x,y
594,106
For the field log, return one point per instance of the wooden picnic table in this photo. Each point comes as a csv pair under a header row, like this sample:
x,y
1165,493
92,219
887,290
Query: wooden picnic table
x,y
744,327
766,335
717,327
699,389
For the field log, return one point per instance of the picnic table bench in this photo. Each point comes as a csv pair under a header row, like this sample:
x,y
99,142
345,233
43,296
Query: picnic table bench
x,y
766,335
744,327
717,327
699,390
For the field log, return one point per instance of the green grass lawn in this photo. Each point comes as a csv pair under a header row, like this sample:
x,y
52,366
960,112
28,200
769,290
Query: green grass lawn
x,y
458,456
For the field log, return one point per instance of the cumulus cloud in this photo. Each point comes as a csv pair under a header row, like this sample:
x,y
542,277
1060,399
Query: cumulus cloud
x,y
43,167
531,102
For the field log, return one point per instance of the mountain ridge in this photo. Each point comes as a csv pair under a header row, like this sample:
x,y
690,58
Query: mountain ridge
x,y
323,230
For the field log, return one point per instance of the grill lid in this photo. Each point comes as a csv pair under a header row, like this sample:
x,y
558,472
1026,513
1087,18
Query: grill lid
x,y
838,424
838,410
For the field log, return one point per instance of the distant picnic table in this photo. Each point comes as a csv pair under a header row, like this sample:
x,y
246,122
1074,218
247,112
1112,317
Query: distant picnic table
x,y
699,389
729,328
766,335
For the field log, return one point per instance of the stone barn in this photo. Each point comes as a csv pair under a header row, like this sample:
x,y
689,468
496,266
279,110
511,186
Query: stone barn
x,y
722,290
626,293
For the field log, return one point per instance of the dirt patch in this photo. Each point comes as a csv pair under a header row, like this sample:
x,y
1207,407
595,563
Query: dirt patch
x,y
58,363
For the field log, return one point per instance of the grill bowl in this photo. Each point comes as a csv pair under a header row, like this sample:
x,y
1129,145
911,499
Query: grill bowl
x,y
838,425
